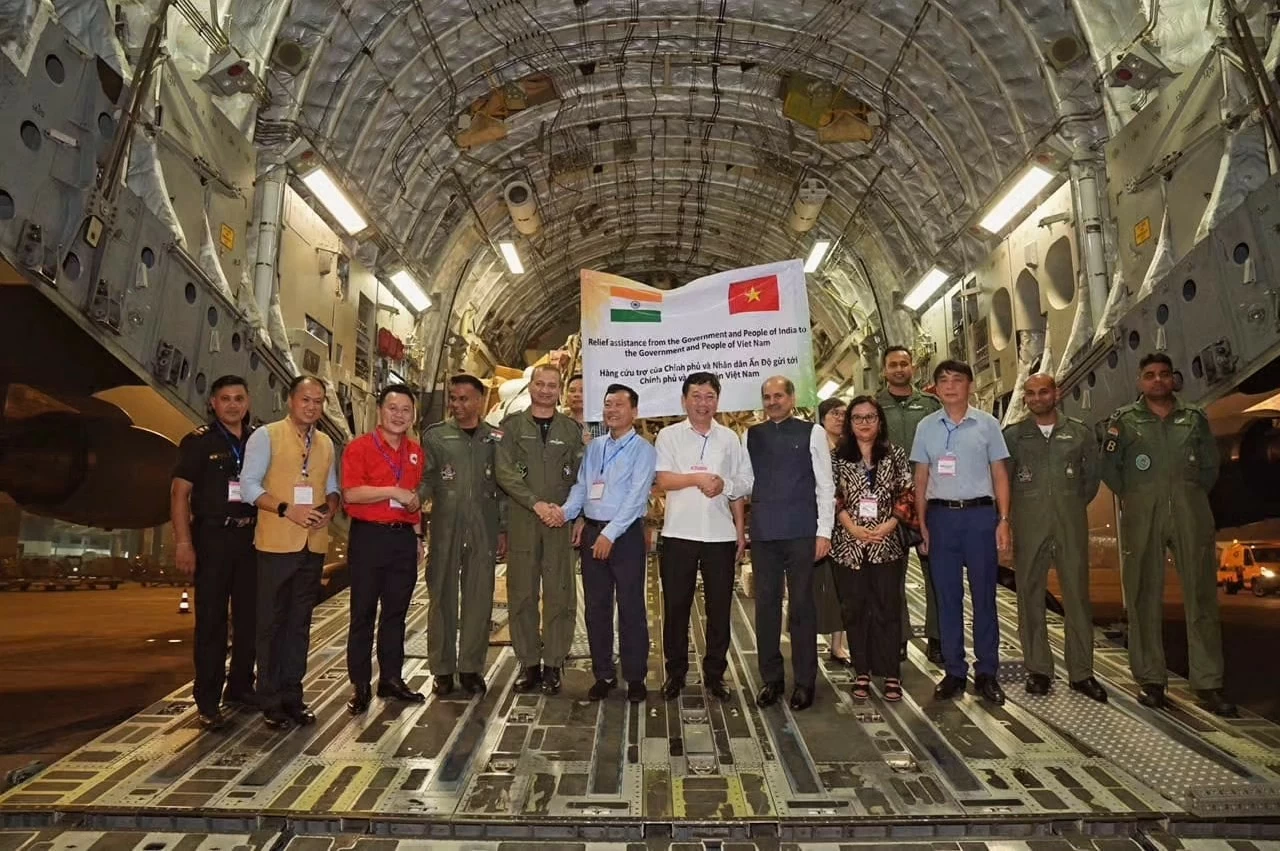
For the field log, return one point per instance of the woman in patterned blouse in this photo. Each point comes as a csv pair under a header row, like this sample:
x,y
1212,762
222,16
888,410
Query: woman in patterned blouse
x,y
871,475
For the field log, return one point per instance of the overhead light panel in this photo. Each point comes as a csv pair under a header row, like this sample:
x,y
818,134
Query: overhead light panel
x,y
512,257
828,390
1016,199
816,254
928,285
410,291
334,200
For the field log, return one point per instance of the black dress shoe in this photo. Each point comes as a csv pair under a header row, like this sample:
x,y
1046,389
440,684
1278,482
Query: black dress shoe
x,y
550,680
989,688
1152,696
842,661
360,699
1038,684
1091,689
213,721
636,691
300,714
399,690
442,684
600,689
276,719
1212,700
247,699
472,683
529,679
718,690
769,695
948,687
671,688
934,652
801,698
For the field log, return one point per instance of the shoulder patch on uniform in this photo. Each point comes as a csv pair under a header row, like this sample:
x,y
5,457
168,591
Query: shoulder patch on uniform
x,y
201,430
1111,445
494,435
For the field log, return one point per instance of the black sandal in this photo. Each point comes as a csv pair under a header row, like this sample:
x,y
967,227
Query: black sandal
x,y
892,689
861,687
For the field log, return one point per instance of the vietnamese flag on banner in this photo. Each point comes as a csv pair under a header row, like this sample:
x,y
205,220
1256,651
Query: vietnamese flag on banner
x,y
758,295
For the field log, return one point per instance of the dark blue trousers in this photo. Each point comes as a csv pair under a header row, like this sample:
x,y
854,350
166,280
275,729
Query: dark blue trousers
x,y
621,577
960,538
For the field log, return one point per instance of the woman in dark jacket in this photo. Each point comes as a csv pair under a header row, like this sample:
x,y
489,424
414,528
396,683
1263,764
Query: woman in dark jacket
x,y
871,475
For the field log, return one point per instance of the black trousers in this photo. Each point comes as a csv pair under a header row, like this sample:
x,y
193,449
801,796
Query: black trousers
x,y
288,588
790,560
384,567
871,602
226,573
620,577
681,561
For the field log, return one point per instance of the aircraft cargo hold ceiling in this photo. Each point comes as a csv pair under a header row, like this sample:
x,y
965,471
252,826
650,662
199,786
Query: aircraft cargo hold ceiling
x,y
665,140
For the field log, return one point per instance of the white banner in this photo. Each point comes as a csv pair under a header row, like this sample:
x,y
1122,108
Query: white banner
x,y
745,326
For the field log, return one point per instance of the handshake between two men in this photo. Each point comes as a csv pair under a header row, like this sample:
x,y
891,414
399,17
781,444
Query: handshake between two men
x,y
553,515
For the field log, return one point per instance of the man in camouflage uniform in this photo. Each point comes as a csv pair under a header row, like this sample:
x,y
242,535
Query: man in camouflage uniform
x,y
904,408
1053,471
467,537
537,464
1160,459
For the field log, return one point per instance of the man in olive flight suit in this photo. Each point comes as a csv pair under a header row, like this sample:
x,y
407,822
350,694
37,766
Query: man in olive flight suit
x,y
904,408
468,537
1160,459
1053,470
537,464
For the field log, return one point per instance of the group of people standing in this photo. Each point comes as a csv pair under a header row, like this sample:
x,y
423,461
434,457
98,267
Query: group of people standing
x,y
835,508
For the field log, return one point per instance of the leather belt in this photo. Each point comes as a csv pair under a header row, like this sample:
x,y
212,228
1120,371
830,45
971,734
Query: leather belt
x,y
597,524
962,503
394,525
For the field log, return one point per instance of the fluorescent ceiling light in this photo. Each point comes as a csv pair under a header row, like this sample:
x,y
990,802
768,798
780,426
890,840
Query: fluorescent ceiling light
x,y
1016,199
410,291
819,251
512,257
928,285
334,200
828,390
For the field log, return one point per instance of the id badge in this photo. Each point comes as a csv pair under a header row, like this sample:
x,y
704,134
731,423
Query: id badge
x,y
303,495
698,468
947,465
396,504
233,491
597,489
868,508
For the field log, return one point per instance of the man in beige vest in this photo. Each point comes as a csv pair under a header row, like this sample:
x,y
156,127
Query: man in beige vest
x,y
290,475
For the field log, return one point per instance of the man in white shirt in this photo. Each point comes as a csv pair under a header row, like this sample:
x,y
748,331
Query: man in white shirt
x,y
704,469
793,506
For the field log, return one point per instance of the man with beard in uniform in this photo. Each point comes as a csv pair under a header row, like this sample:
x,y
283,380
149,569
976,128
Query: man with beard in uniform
x,y
213,535
537,464
904,407
1161,460
468,537
1053,467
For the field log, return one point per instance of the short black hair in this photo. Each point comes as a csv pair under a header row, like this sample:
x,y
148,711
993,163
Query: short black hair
x,y
1155,357
695,379
956,366
577,376
299,380
826,406
884,358
469,380
227,381
402,389
622,388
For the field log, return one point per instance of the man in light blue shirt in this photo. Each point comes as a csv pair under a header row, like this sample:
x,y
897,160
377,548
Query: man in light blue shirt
x,y
962,498
612,493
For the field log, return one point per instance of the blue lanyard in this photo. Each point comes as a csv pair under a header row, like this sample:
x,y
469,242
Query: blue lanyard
x,y
236,450
306,455
608,459
397,466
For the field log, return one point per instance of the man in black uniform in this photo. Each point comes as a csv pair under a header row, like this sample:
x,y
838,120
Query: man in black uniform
x,y
213,533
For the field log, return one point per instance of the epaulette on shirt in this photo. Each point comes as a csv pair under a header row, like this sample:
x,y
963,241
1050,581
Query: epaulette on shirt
x,y
435,426
202,430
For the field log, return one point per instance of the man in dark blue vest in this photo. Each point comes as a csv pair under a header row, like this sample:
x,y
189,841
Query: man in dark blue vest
x,y
792,511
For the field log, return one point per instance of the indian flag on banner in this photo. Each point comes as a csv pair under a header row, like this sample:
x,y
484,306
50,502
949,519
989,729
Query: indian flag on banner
x,y
633,305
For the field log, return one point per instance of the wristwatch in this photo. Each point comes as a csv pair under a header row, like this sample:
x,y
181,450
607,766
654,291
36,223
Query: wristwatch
x,y
1004,518
282,508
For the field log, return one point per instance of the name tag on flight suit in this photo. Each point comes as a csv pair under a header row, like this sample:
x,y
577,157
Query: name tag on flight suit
x,y
868,508
947,465
233,491
597,489
303,495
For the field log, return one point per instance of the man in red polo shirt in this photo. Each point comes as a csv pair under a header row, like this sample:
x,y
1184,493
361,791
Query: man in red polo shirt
x,y
380,475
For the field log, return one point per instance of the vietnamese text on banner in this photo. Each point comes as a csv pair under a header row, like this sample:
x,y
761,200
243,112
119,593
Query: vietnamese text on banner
x,y
745,326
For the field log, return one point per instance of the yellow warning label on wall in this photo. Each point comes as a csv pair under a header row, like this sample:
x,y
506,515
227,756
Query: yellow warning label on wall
x,y
1142,231
227,237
